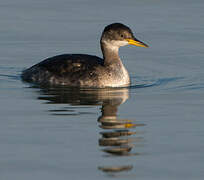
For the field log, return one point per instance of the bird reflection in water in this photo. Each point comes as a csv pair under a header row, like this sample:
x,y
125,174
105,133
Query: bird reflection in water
x,y
117,137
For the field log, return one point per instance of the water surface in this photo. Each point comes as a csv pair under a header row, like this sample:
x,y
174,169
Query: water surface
x,y
152,130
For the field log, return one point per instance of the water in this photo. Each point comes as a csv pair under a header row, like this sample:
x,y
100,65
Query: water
x,y
155,127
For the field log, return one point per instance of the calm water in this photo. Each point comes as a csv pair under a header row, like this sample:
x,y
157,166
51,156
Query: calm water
x,y
152,130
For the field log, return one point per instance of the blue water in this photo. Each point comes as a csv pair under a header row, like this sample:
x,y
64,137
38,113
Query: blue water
x,y
49,133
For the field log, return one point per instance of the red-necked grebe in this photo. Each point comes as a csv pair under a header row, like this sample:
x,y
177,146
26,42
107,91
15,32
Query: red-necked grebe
x,y
81,70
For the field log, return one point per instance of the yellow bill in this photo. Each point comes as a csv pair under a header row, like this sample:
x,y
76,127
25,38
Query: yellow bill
x,y
137,43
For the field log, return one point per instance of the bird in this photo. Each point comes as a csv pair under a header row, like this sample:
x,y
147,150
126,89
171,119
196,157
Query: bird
x,y
89,71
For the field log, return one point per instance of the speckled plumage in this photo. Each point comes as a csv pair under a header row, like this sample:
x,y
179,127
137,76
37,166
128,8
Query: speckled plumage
x,y
74,70
81,70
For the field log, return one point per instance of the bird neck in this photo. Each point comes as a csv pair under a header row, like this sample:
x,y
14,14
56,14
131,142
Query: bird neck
x,y
110,53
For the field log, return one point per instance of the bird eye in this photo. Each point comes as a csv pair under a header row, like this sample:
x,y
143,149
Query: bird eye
x,y
121,36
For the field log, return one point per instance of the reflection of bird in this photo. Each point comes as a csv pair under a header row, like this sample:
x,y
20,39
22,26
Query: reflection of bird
x,y
87,70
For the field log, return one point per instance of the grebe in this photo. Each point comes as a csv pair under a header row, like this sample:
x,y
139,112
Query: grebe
x,y
82,70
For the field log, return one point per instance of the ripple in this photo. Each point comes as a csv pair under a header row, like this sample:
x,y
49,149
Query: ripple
x,y
164,84
141,82
9,77
9,73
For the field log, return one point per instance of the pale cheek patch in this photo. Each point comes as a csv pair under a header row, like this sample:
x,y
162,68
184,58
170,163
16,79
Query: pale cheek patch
x,y
114,45
119,43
